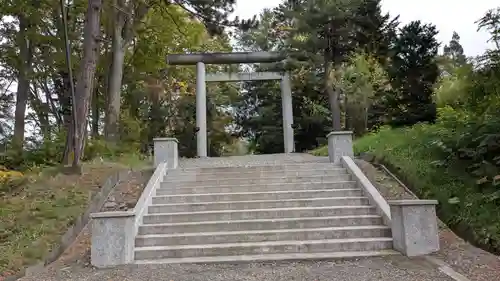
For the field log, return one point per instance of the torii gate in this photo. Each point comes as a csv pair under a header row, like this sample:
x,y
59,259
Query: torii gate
x,y
200,59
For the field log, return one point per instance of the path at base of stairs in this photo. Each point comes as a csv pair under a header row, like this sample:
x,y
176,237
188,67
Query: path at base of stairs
x,y
390,268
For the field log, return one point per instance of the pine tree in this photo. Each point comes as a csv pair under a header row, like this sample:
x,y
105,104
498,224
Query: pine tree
x,y
413,72
326,32
455,51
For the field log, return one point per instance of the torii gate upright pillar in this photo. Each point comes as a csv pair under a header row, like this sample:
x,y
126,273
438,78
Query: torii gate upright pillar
x,y
201,110
287,109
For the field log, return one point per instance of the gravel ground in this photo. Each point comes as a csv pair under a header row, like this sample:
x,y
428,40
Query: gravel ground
x,y
476,264
472,262
393,268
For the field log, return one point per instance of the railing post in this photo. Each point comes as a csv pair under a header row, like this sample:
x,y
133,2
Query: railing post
x,y
112,241
166,150
414,226
339,144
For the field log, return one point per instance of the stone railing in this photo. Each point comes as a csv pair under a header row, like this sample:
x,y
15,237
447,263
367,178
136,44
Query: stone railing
x,y
413,222
113,233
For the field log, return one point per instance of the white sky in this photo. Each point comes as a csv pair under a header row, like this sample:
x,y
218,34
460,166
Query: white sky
x,y
447,15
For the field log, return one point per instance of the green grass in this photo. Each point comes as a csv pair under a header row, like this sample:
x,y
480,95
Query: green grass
x,y
409,152
320,151
33,218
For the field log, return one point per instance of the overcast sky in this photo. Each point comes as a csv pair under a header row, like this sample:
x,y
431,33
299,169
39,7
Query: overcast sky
x,y
447,15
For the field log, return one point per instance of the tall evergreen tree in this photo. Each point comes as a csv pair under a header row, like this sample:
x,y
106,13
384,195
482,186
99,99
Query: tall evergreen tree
x,y
376,31
455,51
413,72
258,112
328,31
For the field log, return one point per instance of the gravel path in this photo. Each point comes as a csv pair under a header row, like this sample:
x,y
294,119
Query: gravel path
x,y
394,268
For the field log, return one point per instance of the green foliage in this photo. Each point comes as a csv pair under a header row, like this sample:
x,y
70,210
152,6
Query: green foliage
x,y
49,152
491,23
452,89
413,72
329,30
215,13
259,116
474,141
313,34
457,159
454,51
359,79
416,156
148,108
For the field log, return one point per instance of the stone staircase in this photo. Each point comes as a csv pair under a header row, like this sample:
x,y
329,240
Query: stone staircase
x,y
277,211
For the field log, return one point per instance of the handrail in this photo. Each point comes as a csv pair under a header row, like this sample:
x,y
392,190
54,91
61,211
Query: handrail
x,y
146,196
373,194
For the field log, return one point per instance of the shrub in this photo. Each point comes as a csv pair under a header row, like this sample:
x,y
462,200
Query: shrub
x,y
10,180
415,155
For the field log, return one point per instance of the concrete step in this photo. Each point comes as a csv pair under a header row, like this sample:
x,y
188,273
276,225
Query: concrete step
x,y
258,214
189,176
257,204
260,224
273,257
249,168
263,235
269,195
275,247
255,180
169,190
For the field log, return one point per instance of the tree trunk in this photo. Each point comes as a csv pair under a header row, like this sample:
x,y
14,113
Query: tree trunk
x,y
70,92
63,91
84,83
333,97
115,74
348,115
41,110
101,89
114,95
127,15
95,114
23,82
66,102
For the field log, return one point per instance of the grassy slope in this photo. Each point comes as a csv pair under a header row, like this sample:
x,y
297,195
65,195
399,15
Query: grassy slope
x,y
408,153
34,217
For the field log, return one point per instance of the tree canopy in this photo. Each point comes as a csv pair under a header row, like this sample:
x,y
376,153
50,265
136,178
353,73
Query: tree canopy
x,y
107,89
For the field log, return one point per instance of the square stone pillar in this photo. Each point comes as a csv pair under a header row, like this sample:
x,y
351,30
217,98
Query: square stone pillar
x,y
201,110
339,144
287,111
414,226
112,241
166,150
